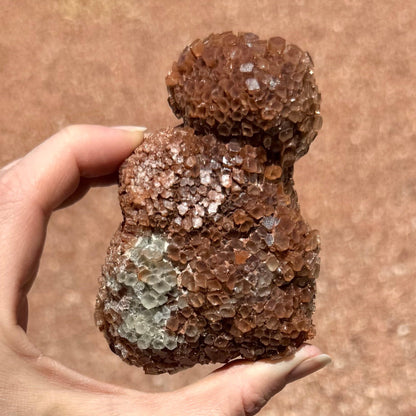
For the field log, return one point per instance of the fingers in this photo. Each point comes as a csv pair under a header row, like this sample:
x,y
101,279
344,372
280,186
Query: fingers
x,y
243,388
9,166
51,172
86,184
309,366
40,182
32,384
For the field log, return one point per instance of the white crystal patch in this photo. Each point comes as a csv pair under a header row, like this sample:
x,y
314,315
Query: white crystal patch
x,y
149,285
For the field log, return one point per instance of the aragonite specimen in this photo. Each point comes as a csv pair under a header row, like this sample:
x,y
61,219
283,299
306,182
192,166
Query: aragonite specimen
x,y
213,259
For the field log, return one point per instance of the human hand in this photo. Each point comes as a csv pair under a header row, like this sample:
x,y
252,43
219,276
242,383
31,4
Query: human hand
x,y
55,174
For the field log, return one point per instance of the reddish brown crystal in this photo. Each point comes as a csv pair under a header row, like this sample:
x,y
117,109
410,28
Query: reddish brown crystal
x,y
242,86
213,260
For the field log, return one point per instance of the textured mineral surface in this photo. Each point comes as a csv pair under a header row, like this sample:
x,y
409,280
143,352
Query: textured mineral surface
x,y
213,260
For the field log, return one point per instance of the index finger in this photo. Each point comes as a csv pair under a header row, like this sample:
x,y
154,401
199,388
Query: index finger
x,y
39,183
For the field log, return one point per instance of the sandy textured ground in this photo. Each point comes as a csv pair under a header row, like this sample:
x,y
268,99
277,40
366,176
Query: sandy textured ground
x,y
95,62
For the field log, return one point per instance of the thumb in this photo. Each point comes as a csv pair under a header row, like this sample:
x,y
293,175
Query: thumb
x,y
243,387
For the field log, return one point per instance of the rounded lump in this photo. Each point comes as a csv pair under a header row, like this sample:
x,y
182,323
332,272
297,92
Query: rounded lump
x,y
241,86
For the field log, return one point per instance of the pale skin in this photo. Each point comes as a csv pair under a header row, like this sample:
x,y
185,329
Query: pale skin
x,y
53,175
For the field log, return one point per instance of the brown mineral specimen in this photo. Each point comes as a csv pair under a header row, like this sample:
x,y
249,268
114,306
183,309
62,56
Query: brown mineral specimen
x,y
241,86
213,260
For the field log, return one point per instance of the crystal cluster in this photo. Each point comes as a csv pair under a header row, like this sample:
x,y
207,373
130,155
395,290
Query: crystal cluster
x,y
213,260
242,86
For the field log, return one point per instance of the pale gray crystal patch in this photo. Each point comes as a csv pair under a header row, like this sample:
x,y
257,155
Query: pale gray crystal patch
x,y
148,287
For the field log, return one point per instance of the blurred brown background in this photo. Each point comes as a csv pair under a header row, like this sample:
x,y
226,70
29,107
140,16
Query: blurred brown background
x,y
103,62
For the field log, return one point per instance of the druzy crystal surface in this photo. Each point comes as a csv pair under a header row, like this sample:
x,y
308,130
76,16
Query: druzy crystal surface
x,y
213,259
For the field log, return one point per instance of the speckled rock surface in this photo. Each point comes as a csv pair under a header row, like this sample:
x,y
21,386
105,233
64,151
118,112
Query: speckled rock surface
x,y
213,260
243,86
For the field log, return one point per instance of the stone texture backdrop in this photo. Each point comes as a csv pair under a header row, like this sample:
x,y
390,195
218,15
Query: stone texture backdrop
x,y
77,61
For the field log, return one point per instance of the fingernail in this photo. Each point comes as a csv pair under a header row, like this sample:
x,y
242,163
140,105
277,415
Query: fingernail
x,y
308,366
138,132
